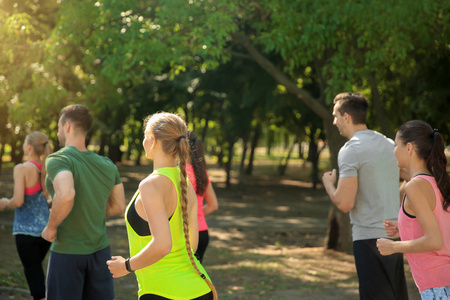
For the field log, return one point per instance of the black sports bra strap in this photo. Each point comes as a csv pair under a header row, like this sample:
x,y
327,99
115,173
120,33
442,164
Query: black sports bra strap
x,y
403,208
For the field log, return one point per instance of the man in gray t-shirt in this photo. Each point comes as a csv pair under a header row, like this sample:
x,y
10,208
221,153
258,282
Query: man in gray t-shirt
x,y
368,189
369,157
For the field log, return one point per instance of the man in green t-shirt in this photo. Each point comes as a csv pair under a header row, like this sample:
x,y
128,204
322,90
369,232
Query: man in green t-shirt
x,y
86,188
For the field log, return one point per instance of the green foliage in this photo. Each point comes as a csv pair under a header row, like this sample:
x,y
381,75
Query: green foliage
x,y
128,59
29,91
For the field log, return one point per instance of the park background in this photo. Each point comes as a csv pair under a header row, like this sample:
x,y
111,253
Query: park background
x,y
255,80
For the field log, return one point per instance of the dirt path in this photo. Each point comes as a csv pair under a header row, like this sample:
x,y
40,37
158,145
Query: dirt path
x,y
266,242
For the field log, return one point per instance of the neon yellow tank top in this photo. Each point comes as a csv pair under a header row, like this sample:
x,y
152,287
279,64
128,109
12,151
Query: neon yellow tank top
x,y
173,276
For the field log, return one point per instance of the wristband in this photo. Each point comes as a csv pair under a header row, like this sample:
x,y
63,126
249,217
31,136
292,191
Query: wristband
x,y
127,265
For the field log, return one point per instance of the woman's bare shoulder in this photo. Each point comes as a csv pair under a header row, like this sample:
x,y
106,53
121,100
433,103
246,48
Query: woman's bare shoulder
x,y
416,183
155,184
22,168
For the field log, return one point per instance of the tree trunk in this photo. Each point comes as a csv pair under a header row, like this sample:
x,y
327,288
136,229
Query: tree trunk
x,y
286,143
114,153
244,154
339,231
379,112
313,157
283,166
128,152
205,130
220,155
229,163
2,152
186,113
255,139
270,140
301,152
103,144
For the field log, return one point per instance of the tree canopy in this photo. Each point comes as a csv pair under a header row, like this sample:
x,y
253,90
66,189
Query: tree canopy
x,y
233,68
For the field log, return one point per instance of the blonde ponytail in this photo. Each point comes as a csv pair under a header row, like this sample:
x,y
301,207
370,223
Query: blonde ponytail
x,y
42,148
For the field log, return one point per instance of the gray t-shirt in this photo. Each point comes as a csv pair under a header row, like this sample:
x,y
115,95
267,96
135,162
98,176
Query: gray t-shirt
x,y
369,156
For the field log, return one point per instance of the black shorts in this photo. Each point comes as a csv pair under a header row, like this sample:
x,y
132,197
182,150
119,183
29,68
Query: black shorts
x,y
75,277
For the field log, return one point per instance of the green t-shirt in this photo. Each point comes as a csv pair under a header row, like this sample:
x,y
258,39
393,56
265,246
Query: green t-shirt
x,y
83,231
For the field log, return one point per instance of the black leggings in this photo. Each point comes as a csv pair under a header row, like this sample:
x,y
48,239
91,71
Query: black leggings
x,y
380,277
32,251
208,296
203,241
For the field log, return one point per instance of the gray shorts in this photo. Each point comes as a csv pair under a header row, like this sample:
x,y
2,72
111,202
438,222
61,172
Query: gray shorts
x,y
76,277
437,293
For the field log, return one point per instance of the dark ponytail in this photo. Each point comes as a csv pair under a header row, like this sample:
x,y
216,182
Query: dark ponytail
x,y
429,145
198,163
437,163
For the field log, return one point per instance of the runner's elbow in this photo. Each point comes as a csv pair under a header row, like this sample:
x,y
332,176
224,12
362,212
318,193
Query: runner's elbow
x,y
15,202
116,210
214,207
344,209
68,195
437,244
343,206
165,248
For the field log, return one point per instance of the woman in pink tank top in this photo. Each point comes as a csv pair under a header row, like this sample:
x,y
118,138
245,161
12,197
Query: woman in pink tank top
x,y
424,217
198,176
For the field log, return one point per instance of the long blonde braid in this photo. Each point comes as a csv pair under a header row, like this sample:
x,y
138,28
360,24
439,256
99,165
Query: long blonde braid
x,y
172,131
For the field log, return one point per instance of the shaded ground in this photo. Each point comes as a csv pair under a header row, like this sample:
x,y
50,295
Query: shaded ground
x,y
266,241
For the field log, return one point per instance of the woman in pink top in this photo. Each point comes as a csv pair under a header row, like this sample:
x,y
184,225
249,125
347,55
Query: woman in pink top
x,y
198,176
424,217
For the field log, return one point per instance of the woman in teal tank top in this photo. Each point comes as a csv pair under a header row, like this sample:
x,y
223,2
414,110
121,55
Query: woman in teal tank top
x,y
31,211
162,223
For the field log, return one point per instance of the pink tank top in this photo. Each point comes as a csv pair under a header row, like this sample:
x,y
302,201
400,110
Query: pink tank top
x,y
37,187
429,269
202,226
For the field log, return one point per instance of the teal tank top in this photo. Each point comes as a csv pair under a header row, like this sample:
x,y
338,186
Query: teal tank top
x,y
173,276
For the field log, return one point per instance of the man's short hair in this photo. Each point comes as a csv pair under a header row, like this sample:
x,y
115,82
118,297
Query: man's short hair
x,y
78,115
354,104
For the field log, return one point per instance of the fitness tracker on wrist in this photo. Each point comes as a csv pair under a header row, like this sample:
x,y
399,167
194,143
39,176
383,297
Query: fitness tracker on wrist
x,y
127,265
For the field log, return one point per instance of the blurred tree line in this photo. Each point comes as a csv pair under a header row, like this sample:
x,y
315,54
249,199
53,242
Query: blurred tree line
x,y
238,71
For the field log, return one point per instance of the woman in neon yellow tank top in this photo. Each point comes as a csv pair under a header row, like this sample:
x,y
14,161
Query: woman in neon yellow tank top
x,y
162,221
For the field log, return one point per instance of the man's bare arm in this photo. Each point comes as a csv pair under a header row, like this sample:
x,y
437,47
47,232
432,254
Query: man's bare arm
x,y
116,201
343,196
62,203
